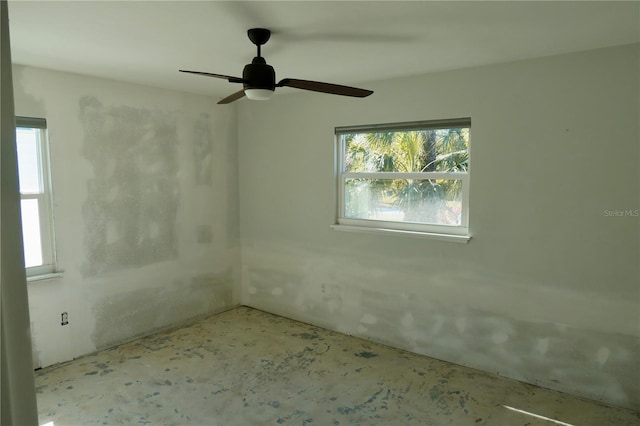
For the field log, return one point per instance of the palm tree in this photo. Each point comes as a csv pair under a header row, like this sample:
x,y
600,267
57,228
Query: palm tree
x,y
432,150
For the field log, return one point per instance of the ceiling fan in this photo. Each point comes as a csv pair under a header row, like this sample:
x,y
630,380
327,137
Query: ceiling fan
x,y
259,78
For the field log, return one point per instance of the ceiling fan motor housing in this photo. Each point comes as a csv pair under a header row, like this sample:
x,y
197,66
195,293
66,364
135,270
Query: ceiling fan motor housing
x,y
259,75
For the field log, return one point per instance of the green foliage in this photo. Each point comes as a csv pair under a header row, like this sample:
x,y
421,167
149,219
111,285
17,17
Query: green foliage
x,y
433,150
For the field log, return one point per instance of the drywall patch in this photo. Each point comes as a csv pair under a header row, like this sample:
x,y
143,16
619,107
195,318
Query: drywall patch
x,y
499,337
204,234
368,319
331,297
407,320
122,317
202,150
461,324
542,345
602,355
35,353
132,199
28,97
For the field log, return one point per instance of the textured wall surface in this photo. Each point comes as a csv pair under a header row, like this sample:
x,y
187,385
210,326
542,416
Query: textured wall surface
x,y
145,208
547,290
133,196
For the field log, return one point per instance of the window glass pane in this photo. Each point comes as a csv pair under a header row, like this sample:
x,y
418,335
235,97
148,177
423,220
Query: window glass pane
x,y
31,233
429,201
430,150
27,141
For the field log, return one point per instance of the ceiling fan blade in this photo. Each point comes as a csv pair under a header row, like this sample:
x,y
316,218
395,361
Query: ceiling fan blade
x,y
229,78
233,97
317,86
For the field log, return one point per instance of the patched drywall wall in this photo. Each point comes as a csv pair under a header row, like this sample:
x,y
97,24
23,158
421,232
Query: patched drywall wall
x,y
120,317
547,290
132,198
145,209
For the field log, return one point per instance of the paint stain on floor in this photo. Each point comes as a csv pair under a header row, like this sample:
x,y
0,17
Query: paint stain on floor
x,y
366,354
245,367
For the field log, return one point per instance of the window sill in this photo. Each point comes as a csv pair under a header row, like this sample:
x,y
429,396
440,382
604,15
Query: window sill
x,y
44,277
464,239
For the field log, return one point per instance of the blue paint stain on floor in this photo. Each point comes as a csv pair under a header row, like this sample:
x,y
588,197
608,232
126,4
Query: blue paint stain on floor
x,y
366,354
307,336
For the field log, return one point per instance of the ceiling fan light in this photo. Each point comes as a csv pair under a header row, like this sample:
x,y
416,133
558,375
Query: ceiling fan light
x,y
258,94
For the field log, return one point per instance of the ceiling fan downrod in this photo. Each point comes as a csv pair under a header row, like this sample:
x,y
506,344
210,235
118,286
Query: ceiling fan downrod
x,y
259,36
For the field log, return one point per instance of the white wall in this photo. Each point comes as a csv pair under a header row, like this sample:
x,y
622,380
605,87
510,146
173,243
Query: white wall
x,y
547,290
145,208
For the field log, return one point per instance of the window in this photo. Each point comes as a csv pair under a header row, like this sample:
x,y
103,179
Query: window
x,y
35,196
405,177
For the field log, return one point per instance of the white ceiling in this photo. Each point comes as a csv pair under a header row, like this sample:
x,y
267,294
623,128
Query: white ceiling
x,y
344,42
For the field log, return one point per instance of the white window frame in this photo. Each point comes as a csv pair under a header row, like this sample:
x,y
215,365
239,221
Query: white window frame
x,y
48,268
423,230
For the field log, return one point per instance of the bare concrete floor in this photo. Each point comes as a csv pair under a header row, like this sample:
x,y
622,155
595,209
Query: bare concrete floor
x,y
247,367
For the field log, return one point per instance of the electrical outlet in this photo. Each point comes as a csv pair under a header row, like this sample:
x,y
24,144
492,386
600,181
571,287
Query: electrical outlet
x,y
65,318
